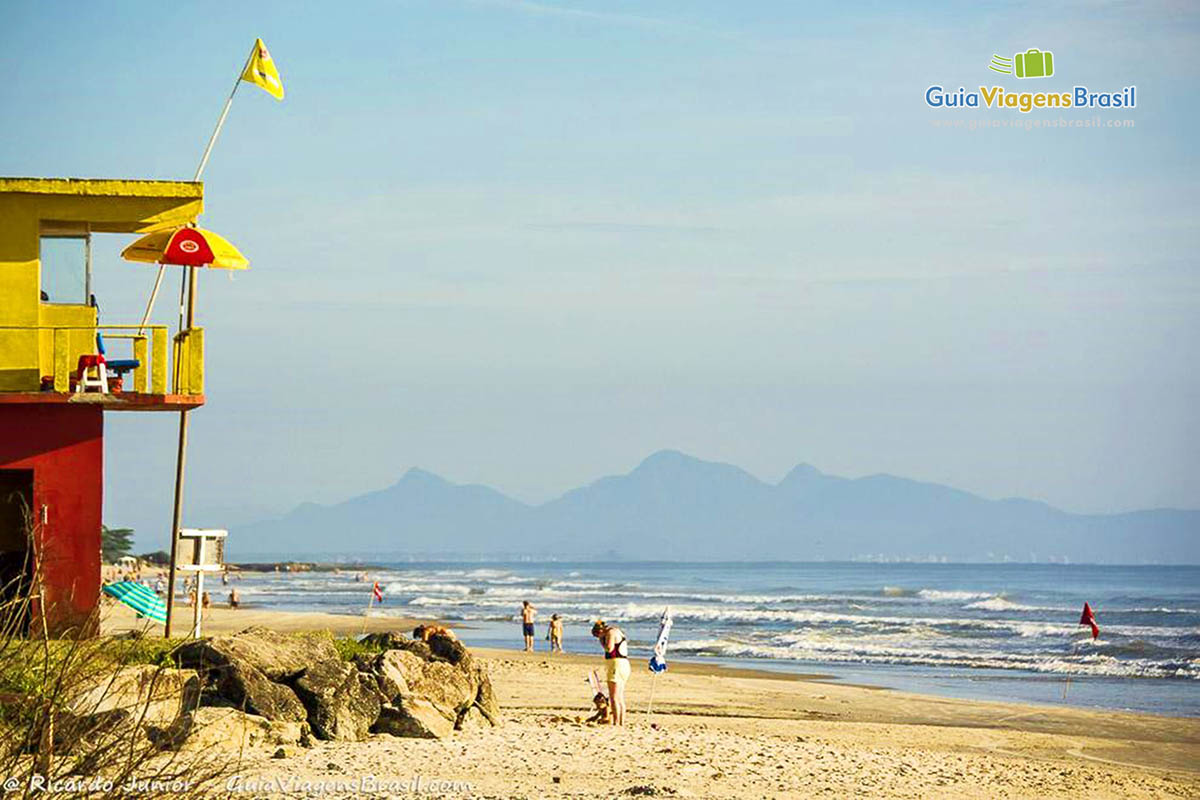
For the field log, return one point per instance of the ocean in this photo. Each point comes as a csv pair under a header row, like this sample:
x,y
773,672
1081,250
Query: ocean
x,y
980,631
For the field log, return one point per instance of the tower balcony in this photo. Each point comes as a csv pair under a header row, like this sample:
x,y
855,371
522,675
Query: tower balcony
x,y
143,380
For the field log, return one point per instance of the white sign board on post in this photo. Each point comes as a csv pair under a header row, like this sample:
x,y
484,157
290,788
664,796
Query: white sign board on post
x,y
201,550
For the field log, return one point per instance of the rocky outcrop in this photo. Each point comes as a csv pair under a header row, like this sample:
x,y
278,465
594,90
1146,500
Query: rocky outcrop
x,y
441,673
342,702
258,686
414,717
252,669
140,699
230,728
276,655
141,692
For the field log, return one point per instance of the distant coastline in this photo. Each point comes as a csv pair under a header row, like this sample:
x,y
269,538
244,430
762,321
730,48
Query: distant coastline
x,y
674,504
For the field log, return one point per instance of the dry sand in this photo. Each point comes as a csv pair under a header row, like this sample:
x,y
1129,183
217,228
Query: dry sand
x,y
116,618
739,733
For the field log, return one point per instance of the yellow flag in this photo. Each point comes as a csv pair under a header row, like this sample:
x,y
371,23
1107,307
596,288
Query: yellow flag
x,y
260,71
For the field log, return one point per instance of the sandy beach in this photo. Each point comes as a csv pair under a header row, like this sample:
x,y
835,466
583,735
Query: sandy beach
x,y
218,619
737,733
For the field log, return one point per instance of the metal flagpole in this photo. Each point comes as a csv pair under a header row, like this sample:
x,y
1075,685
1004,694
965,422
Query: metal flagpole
x,y
198,602
658,662
189,280
1067,684
367,613
180,462
212,140
650,705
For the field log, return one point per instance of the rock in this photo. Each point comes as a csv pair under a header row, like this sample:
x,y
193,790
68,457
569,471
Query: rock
x,y
138,702
388,640
280,753
284,732
278,656
249,689
485,698
152,695
247,669
413,717
441,682
342,703
472,719
226,728
444,685
439,647
391,671
441,674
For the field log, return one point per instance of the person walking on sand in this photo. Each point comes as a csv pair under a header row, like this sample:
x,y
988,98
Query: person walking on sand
x,y
556,633
616,666
528,612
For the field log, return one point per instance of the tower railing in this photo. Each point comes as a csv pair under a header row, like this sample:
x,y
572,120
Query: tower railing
x,y
64,344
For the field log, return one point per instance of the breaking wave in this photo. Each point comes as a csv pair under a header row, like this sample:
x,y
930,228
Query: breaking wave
x,y
974,622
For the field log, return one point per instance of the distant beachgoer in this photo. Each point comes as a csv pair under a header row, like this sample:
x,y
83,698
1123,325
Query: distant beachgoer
x,y
616,666
191,598
159,587
225,578
205,601
234,599
528,612
556,633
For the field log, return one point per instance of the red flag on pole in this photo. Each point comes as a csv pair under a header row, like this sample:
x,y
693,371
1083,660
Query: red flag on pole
x,y
378,592
1088,618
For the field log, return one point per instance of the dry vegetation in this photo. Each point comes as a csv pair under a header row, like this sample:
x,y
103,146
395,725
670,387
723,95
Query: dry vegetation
x,y
87,717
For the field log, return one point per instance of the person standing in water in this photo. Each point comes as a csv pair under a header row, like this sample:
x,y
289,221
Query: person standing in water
x,y
616,666
528,612
555,633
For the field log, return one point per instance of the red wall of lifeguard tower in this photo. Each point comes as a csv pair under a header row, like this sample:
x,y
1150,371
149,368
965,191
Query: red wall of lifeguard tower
x,y
63,445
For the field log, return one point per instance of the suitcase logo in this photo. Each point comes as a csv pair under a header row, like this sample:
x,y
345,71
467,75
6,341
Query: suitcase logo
x,y
1033,63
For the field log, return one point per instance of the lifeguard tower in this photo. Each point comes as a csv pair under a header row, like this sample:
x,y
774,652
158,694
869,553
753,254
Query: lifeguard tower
x,y
60,371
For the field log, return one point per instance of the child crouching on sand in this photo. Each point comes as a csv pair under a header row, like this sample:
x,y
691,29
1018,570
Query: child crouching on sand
x,y
601,717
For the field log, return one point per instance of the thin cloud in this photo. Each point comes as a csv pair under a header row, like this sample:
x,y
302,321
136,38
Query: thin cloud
x,y
616,18
624,227
546,9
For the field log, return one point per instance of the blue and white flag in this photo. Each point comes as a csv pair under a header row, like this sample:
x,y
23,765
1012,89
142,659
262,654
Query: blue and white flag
x,y
658,662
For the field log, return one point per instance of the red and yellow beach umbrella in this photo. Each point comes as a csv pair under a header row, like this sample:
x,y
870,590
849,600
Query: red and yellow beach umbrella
x,y
187,246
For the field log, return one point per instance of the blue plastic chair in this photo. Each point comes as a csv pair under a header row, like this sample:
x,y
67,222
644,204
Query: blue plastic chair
x,y
117,365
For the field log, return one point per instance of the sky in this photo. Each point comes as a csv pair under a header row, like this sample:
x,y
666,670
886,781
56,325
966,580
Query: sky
x,y
526,244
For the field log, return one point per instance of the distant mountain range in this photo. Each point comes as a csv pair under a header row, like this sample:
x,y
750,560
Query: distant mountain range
x,y
675,507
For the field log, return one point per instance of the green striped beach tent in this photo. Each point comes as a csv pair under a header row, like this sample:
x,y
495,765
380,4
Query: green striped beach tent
x,y
140,598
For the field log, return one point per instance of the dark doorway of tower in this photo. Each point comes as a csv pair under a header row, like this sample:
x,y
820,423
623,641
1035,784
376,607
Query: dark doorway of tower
x,y
16,556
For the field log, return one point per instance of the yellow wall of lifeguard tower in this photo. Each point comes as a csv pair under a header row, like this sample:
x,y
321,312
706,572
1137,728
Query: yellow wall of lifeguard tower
x,y
32,207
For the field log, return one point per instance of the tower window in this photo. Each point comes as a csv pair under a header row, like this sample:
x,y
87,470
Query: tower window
x,y
66,269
